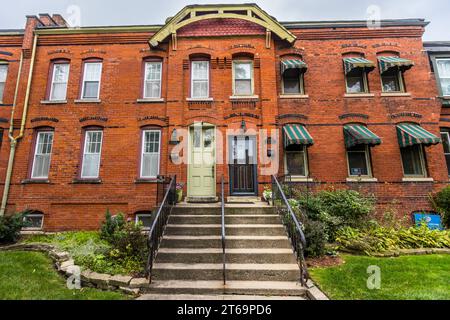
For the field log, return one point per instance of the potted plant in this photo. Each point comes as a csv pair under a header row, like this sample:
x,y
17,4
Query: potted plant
x,y
180,191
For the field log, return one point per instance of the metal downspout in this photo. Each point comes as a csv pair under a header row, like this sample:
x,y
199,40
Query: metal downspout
x,y
14,140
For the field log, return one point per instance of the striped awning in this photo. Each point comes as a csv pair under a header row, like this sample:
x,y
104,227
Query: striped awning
x,y
296,134
387,63
292,64
356,134
354,63
410,134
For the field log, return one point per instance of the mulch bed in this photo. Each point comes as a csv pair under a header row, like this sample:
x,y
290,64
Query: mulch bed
x,y
325,261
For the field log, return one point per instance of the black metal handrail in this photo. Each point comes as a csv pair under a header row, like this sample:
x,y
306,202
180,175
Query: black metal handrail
x,y
223,233
159,223
293,227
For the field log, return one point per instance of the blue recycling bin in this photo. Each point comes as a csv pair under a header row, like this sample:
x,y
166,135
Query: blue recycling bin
x,y
433,220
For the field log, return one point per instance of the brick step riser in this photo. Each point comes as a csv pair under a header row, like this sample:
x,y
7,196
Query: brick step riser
x,y
230,258
232,275
228,220
217,243
229,231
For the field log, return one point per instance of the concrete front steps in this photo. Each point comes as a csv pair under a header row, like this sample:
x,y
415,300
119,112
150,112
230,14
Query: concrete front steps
x,y
260,260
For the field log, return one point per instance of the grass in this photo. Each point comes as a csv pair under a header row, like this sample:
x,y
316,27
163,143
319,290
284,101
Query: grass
x,y
402,278
30,276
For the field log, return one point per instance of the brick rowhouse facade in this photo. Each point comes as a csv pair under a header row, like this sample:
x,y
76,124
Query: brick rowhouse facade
x,y
69,202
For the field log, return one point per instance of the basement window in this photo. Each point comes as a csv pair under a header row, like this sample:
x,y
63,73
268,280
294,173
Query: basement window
x,y
146,218
34,221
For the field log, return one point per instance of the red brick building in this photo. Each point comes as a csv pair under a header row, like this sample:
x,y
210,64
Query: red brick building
x,y
99,112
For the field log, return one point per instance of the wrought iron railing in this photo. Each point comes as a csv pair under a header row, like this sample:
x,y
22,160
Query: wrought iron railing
x,y
293,226
160,221
223,233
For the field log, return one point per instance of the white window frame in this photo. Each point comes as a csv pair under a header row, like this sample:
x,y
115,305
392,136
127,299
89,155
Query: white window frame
x,y
84,79
35,154
53,81
84,153
199,80
252,77
41,215
305,159
368,163
136,221
144,90
440,77
143,149
2,64
422,164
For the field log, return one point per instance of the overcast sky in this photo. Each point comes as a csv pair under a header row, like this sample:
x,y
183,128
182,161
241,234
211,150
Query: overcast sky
x,y
131,12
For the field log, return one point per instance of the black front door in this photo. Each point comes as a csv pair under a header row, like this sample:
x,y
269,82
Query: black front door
x,y
243,167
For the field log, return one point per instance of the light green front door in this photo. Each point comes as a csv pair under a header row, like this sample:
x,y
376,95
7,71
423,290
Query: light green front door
x,y
202,167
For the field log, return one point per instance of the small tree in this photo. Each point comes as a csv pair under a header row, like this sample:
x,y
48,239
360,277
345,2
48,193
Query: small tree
x,y
10,227
441,203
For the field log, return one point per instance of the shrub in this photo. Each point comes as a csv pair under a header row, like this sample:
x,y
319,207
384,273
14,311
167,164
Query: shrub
x,y
10,227
111,225
441,203
315,238
378,239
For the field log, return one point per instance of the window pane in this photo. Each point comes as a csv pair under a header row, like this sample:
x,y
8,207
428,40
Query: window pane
x,y
200,89
445,142
391,81
33,221
91,163
3,72
60,73
291,81
243,70
41,164
411,158
150,154
243,87
146,220
2,88
355,81
150,165
59,91
152,89
296,163
153,71
445,85
92,151
443,68
92,71
357,162
200,70
90,90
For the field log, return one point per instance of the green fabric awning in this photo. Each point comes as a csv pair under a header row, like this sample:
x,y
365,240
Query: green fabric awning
x,y
354,63
296,134
410,134
292,64
356,134
387,63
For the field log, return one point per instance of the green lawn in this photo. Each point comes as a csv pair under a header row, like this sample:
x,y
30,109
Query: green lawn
x,y
403,278
30,276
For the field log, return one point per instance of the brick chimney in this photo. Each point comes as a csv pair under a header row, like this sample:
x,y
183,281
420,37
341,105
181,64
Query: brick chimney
x,y
47,20
60,21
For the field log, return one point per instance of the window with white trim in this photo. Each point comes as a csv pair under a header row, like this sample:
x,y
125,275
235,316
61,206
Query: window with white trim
x,y
358,159
443,66
445,135
296,162
42,155
243,78
3,74
150,157
413,161
91,80
60,78
152,80
92,154
200,79
145,218
33,221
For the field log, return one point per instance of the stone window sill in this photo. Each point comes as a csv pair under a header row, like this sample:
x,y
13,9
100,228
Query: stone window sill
x,y
88,101
200,99
87,181
53,101
145,181
35,181
253,97
294,96
395,94
359,95
362,180
413,179
150,100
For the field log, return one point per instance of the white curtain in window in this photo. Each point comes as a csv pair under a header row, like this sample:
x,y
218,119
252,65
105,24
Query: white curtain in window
x,y
43,151
444,75
3,73
92,76
91,156
59,84
150,154
152,86
243,78
200,79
